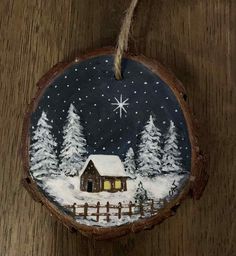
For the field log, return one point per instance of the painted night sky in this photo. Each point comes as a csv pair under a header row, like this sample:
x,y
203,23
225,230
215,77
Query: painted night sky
x,y
91,86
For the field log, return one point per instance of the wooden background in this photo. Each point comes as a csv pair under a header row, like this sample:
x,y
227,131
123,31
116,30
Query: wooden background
x,y
196,39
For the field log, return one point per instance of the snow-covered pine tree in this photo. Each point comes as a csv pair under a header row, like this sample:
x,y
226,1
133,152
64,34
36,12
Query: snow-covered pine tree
x,y
72,155
43,159
129,163
171,160
150,151
141,193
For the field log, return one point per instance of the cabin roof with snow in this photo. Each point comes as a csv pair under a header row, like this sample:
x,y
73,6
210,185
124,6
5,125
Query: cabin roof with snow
x,y
107,165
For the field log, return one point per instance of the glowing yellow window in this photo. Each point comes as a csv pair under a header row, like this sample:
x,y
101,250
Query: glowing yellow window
x,y
107,185
117,184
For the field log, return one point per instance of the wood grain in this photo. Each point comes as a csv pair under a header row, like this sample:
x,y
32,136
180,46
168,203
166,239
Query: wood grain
x,y
196,39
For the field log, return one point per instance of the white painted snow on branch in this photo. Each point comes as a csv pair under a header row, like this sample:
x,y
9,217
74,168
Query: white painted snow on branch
x,y
73,152
43,160
171,160
129,163
150,151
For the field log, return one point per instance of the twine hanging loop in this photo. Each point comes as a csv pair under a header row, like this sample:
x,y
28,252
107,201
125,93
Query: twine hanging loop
x,y
122,44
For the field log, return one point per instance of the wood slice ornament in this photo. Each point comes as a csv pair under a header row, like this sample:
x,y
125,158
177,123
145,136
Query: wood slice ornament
x,y
106,156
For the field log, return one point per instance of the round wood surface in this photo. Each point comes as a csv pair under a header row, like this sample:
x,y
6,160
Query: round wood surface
x,y
109,157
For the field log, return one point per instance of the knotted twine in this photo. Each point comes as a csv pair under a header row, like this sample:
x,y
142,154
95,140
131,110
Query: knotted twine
x,y
122,44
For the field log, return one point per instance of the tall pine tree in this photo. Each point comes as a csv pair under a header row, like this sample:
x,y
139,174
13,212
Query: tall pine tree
x,y
72,155
43,160
171,160
150,152
129,163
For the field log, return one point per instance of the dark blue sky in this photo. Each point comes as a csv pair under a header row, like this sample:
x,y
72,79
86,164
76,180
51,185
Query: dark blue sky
x,y
90,85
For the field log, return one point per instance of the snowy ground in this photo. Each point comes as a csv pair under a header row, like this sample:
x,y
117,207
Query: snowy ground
x,y
66,191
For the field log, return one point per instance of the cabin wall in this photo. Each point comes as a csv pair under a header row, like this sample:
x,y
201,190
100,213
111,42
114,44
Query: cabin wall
x,y
90,174
112,181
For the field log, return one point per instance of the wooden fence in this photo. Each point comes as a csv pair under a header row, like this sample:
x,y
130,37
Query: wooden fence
x,y
109,210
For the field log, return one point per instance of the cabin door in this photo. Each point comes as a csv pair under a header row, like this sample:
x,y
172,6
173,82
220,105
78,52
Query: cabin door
x,y
90,186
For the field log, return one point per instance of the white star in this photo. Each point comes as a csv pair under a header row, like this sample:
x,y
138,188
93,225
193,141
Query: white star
x,y
120,105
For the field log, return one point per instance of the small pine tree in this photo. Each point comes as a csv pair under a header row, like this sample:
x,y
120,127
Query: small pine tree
x,y
129,163
72,155
150,152
141,193
43,160
171,160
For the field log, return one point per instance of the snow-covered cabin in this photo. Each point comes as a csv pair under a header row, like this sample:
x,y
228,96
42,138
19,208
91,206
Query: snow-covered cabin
x,y
103,173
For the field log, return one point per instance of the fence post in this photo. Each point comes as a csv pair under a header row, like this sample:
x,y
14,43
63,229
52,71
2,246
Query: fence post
x,y
108,214
119,209
164,202
85,210
74,209
161,203
152,206
98,206
141,208
130,208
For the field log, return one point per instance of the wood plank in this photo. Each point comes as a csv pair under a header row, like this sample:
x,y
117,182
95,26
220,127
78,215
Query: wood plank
x,y
196,39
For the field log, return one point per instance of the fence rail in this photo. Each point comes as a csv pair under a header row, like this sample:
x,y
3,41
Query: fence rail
x,y
115,210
